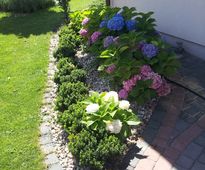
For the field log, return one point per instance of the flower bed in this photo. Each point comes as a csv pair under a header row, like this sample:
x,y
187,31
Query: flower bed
x,y
105,97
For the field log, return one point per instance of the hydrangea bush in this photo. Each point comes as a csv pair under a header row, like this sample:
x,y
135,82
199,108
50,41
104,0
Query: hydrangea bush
x,y
133,56
127,43
106,111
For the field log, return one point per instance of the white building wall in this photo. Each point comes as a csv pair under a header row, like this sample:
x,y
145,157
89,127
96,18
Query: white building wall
x,y
184,19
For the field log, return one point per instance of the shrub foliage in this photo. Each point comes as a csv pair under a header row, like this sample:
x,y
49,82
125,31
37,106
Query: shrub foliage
x,y
70,93
25,6
136,59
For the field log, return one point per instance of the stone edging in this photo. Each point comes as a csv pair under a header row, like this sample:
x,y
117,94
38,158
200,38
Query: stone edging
x,y
52,137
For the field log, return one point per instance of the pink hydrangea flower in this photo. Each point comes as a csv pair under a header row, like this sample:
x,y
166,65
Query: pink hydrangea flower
x,y
123,94
146,70
157,81
164,89
128,85
110,69
135,78
85,21
83,32
95,36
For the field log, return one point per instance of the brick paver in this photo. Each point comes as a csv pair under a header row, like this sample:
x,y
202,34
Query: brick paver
x,y
174,138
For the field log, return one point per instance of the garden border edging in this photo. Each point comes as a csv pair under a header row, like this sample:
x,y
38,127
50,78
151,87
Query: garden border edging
x,y
50,131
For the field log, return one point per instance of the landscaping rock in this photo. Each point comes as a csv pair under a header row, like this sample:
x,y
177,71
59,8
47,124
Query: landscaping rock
x,y
53,139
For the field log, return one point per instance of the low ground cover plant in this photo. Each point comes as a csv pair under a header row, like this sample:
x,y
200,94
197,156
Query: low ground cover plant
x,y
132,55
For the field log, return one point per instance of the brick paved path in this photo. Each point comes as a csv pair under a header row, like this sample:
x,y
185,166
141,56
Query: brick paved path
x,y
174,139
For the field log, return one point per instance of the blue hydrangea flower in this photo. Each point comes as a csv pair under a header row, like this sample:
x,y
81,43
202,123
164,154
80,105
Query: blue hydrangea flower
x,y
108,41
149,50
131,25
103,24
116,23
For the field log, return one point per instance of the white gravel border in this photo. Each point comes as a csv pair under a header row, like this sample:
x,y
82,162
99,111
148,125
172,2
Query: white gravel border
x,y
53,139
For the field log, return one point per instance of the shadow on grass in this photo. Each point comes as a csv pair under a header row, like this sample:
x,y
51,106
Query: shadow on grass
x,y
24,25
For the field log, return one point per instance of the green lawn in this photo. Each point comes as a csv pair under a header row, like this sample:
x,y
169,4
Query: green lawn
x,y
81,4
24,43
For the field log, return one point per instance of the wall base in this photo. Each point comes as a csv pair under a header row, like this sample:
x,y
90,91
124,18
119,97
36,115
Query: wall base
x,y
190,47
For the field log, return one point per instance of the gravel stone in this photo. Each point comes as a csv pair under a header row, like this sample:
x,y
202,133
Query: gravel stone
x,y
55,167
48,148
51,159
53,139
44,129
45,139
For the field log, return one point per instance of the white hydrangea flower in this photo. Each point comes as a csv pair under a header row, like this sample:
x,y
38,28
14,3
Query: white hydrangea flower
x,y
92,108
110,96
124,105
91,92
114,127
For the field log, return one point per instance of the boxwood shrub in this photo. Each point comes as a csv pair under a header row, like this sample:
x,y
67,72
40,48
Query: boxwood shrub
x,y
74,76
71,118
64,69
69,41
93,149
70,93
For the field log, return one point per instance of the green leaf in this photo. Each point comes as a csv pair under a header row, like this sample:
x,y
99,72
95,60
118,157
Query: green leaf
x,y
106,52
133,123
88,123
153,61
105,56
122,49
155,43
113,113
101,68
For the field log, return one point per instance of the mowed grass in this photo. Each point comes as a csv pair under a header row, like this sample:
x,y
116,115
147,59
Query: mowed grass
x,y
82,4
24,45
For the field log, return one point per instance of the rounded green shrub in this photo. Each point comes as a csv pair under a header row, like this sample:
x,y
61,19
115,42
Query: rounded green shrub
x,y
58,54
64,62
71,118
70,93
93,149
69,41
66,48
75,76
64,70
68,75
